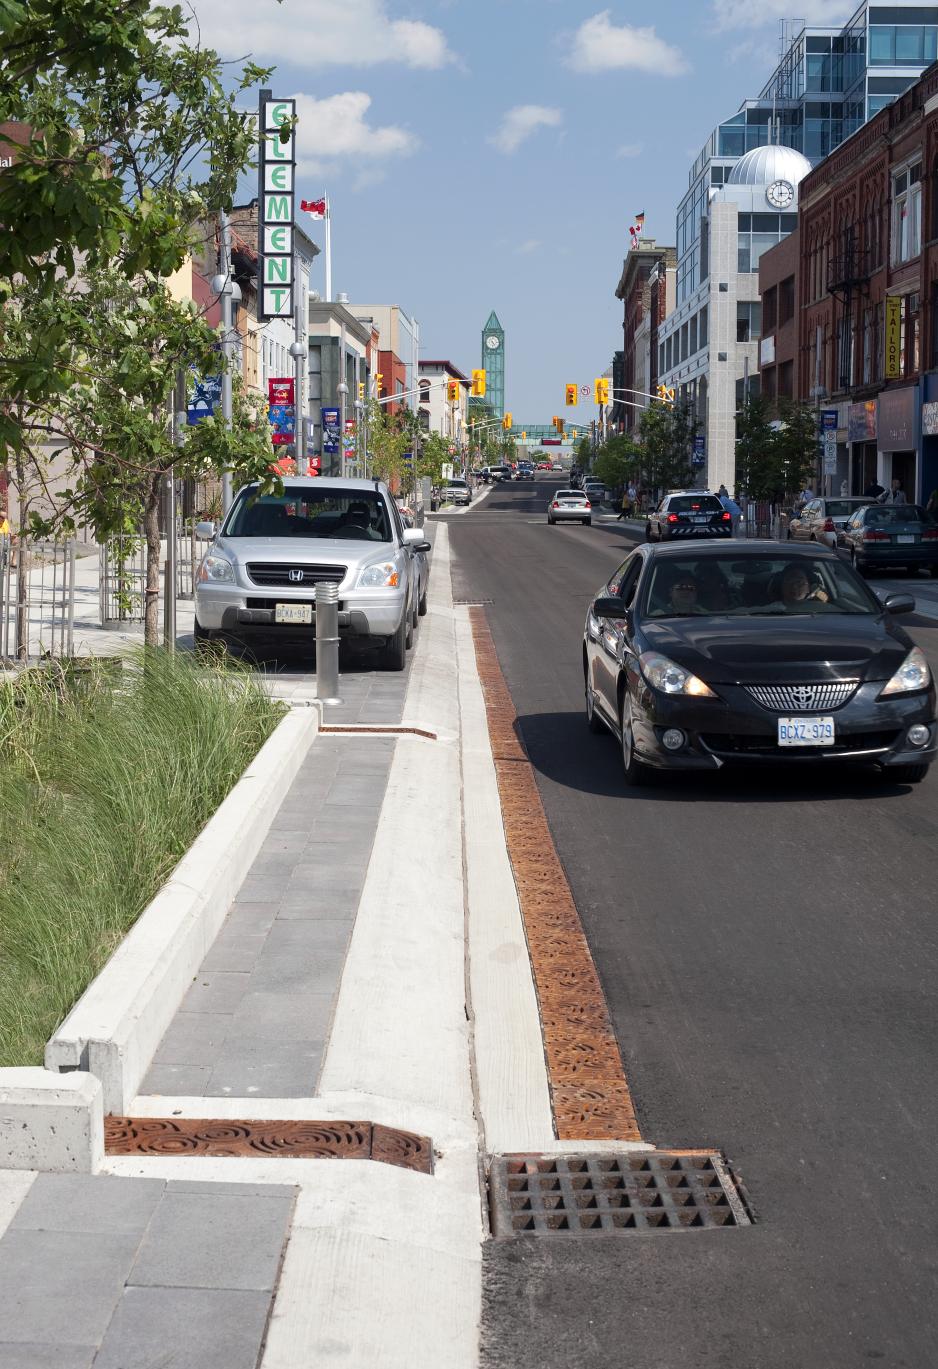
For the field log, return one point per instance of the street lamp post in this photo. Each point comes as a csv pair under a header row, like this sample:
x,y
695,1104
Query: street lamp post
x,y
229,293
298,353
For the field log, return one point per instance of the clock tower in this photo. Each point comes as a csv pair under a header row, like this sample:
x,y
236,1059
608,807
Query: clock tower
x,y
493,362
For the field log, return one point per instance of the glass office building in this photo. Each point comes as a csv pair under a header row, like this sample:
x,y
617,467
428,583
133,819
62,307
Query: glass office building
x,y
827,84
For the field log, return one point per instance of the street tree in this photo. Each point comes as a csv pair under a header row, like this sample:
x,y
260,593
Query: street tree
x,y
133,135
667,433
773,460
617,461
388,438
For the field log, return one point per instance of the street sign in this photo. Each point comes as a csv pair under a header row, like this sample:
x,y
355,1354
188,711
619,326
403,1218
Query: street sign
x,y
446,471
277,168
586,391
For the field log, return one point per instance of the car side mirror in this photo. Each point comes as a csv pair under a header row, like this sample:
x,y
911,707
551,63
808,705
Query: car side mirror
x,y
899,603
205,529
414,538
608,606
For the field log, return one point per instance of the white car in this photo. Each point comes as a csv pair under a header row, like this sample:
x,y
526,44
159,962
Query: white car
x,y
570,506
456,490
258,577
820,520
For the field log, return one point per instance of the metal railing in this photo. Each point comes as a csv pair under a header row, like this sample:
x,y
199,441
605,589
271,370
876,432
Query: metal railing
x,y
122,579
37,598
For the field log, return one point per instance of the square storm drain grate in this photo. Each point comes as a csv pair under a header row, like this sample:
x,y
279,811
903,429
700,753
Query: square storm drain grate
x,y
541,1195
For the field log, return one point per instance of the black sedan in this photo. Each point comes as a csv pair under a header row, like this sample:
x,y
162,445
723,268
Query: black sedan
x,y
685,516
882,536
754,653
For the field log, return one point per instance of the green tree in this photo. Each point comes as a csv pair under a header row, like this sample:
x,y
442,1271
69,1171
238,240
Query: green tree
x,y
758,456
388,439
798,441
618,461
667,432
135,135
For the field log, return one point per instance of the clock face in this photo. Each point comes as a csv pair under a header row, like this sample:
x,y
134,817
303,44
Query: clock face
x,y
491,343
780,194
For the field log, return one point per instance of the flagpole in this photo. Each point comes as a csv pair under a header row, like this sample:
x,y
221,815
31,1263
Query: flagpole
x,y
328,251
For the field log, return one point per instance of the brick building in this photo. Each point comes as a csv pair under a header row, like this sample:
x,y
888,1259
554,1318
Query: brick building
x,y
635,291
868,295
778,346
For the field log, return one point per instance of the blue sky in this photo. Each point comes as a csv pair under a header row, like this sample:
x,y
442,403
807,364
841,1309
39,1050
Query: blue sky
x,y
490,154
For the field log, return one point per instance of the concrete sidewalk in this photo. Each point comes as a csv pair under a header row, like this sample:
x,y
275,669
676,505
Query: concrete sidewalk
x,y
336,999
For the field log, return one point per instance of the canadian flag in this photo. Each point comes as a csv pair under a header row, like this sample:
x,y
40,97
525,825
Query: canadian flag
x,y
315,208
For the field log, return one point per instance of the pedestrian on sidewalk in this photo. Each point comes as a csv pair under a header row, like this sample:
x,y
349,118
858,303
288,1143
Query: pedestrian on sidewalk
x,y
894,495
732,508
873,490
625,509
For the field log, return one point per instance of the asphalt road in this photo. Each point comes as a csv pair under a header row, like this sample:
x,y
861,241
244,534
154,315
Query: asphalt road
x,y
768,947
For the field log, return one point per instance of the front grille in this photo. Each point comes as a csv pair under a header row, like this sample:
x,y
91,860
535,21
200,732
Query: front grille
x,y
731,744
294,576
808,698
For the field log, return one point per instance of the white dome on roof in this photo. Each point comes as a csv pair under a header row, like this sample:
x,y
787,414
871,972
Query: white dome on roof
x,y
763,165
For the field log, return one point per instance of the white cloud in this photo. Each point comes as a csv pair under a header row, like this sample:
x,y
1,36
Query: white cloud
x,y
630,150
752,14
336,130
321,33
600,45
531,245
519,123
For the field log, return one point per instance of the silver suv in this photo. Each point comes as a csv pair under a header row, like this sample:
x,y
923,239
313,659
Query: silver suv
x,y
257,578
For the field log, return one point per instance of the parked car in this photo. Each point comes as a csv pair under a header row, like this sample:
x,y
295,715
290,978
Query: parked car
x,y
597,492
498,473
258,577
456,492
759,653
556,466
687,514
821,519
883,536
545,466
570,506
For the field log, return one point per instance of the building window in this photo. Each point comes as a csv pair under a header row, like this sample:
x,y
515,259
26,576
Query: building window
x,y
424,391
786,380
770,309
907,214
867,346
702,328
786,300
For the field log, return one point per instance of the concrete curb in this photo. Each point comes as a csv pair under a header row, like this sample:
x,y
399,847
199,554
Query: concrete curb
x,y
50,1121
117,1024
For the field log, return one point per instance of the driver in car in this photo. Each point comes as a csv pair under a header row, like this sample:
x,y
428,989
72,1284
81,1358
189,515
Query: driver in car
x,y
796,588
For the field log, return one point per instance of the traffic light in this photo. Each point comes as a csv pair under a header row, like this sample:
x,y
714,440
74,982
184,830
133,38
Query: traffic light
x,y
558,422
602,390
361,389
506,422
571,394
379,386
478,384
452,391
524,437
665,394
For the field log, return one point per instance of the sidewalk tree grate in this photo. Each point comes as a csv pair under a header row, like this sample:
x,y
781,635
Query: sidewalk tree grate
x,y
589,1092
379,729
608,1193
187,1136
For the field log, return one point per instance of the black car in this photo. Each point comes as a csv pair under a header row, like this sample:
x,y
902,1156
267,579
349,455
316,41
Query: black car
x,y
754,653
687,515
881,536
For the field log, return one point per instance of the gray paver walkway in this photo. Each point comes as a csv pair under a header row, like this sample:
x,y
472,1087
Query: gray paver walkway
x,y
112,1273
256,1019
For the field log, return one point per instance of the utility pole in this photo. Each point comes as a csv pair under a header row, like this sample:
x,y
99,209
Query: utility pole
x,y
342,391
298,351
224,287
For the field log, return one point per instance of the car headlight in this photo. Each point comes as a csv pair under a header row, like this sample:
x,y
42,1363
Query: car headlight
x,y
385,575
912,674
216,570
672,678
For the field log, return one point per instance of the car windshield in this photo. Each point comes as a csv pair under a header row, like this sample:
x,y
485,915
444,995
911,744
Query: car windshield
x,y
895,513
694,503
842,508
456,484
754,587
570,494
326,511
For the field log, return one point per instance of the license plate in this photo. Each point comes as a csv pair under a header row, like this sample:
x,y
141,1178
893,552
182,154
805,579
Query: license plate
x,y
805,731
700,518
905,540
293,613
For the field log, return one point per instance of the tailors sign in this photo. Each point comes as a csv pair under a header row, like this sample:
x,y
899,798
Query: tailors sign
x,y
277,173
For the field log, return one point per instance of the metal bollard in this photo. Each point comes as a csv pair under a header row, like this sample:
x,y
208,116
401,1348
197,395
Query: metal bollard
x,y
327,643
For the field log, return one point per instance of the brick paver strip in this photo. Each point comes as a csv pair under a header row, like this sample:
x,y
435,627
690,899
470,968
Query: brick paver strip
x,y
184,1136
589,1092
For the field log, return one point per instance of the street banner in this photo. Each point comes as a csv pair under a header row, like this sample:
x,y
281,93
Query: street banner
x,y
829,441
276,172
330,432
206,395
700,450
349,444
281,412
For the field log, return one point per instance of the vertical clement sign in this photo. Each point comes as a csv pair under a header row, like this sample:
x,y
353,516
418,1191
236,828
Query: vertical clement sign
x,y
276,175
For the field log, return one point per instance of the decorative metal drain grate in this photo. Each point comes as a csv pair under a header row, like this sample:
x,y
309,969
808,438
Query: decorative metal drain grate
x,y
185,1136
643,1191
